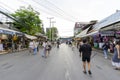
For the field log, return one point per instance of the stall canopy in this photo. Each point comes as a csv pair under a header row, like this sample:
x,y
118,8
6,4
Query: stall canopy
x,y
30,37
39,34
108,21
92,33
9,31
83,33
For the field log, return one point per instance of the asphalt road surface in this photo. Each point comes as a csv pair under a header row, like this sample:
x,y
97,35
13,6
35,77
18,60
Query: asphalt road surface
x,y
62,64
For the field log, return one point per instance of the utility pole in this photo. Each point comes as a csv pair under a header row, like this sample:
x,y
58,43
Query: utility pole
x,y
52,31
50,18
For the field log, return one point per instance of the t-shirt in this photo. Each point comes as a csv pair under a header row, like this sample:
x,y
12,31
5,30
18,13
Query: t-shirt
x,y
86,50
31,45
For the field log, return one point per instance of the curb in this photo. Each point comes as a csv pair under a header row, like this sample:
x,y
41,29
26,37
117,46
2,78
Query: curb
x,y
6,52
100,51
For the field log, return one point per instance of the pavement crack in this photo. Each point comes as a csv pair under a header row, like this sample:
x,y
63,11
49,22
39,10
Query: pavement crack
x,y
4,64
98,67
7,67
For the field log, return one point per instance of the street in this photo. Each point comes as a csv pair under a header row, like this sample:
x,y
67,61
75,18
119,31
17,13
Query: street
x,y
61,64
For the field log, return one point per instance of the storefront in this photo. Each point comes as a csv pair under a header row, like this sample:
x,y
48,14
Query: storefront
x,y
9,38
6,39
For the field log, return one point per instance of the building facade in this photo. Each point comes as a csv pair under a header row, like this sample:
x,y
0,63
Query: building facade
x,y
79,26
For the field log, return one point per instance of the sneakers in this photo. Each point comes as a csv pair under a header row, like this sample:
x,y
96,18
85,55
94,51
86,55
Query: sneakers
x,y
89,72
105,57
84,72
117,68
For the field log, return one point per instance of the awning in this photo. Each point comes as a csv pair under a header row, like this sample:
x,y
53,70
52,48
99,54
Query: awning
x,y
83,33
8,31
30,37
92,33
39,34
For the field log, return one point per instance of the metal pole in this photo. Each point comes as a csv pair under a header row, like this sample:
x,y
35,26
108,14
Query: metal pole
x,y
50,26
52,31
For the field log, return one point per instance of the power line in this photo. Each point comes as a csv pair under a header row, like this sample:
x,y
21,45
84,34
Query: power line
x,y
54,10
60,9
45,11
56,13
7,6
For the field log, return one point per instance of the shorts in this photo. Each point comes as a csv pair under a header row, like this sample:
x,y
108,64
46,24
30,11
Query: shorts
x,y
84,59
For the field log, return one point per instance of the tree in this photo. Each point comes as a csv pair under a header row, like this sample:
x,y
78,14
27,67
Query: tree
x,y
52,33
29,19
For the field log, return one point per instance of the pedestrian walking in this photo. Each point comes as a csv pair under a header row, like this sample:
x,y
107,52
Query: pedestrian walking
x,y
49,45
105,48
116,56
31,46
80,43
73,45
85,51
77,44
1,46
58,43
19,46
35,47
44,49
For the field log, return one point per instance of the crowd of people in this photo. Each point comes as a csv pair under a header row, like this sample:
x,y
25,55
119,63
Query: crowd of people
x,y
46,46
85,50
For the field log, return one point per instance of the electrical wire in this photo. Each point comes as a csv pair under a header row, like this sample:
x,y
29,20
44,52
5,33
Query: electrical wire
x,y
60,9
6,7
54,10
48,8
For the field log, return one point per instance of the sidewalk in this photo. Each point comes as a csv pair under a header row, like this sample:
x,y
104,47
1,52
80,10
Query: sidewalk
x,y
7,52
3,52
101,51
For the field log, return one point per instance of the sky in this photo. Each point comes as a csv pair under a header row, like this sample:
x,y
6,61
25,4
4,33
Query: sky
x,y
66,12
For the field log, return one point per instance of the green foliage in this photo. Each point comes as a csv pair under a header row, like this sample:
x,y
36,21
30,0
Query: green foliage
x,y
29,19
52,32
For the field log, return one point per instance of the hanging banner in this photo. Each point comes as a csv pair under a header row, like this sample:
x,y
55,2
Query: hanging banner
x,y
107,33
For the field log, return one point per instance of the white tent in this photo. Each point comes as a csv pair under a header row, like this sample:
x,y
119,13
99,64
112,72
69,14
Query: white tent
x,y
30,37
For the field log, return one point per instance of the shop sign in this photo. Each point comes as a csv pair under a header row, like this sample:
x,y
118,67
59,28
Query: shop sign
x,y
6,32
4,36
107,33
15,37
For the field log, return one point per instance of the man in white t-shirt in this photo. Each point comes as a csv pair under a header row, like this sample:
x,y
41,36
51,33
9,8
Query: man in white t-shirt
x,y
31,46
44,49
